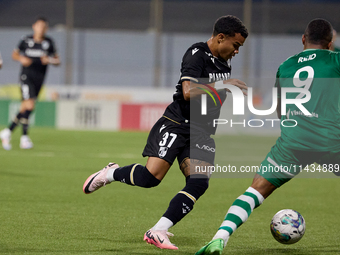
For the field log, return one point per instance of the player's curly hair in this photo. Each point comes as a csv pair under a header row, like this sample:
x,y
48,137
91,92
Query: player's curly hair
x,y
229,25
320,32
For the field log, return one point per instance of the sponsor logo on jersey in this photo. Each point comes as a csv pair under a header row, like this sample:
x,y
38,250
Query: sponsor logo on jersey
x,y
296,113
218,76
310,57
34,53
205,147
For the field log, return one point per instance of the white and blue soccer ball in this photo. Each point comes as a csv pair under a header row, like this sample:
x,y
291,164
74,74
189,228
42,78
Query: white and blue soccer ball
x,y
288,226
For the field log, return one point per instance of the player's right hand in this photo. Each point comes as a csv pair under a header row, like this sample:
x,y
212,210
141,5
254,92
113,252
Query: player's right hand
x,y
44,60
238,83
25,61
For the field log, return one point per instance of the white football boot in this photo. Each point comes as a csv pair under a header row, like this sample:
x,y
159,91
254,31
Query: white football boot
x,y
25,142
5,136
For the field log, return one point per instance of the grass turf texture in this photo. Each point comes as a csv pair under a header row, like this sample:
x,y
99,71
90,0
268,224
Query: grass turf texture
x,y
44,211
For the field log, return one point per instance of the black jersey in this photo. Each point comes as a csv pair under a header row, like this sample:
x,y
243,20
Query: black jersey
x,y
34,51
200,66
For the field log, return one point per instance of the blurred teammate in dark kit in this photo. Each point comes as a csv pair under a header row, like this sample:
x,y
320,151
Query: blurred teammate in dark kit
x,y
34,52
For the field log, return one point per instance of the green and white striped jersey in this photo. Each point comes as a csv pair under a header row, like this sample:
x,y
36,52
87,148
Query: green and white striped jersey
x,y
318,71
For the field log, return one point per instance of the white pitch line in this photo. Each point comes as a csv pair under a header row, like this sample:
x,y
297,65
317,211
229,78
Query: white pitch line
x,y
22,153
110,156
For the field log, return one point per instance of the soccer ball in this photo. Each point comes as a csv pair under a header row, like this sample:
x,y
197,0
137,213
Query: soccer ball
x,y
288,226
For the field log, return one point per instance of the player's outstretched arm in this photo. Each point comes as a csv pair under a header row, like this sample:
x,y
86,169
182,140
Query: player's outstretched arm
x,y
25,61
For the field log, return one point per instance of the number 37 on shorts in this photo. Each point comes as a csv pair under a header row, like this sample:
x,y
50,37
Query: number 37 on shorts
x,y
167,141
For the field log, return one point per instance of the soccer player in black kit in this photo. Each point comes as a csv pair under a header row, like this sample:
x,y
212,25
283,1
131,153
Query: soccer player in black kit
x,y
34,52
178,134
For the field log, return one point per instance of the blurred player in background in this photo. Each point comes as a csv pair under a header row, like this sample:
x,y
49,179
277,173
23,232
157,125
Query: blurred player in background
x,y
1,62
34,52
315,138
170,136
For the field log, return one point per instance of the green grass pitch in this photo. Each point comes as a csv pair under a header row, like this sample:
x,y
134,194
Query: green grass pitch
x,y
44,211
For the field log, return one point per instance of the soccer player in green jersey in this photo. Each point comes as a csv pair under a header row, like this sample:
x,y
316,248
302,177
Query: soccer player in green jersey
x,y
312,137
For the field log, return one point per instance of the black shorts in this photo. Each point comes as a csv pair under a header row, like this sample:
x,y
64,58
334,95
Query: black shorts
x,y
30,86
168,140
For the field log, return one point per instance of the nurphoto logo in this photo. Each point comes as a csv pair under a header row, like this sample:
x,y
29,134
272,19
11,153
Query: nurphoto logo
x,y
238,107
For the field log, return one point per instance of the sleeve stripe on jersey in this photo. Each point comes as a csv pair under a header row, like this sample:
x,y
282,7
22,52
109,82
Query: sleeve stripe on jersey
x,y
189,78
